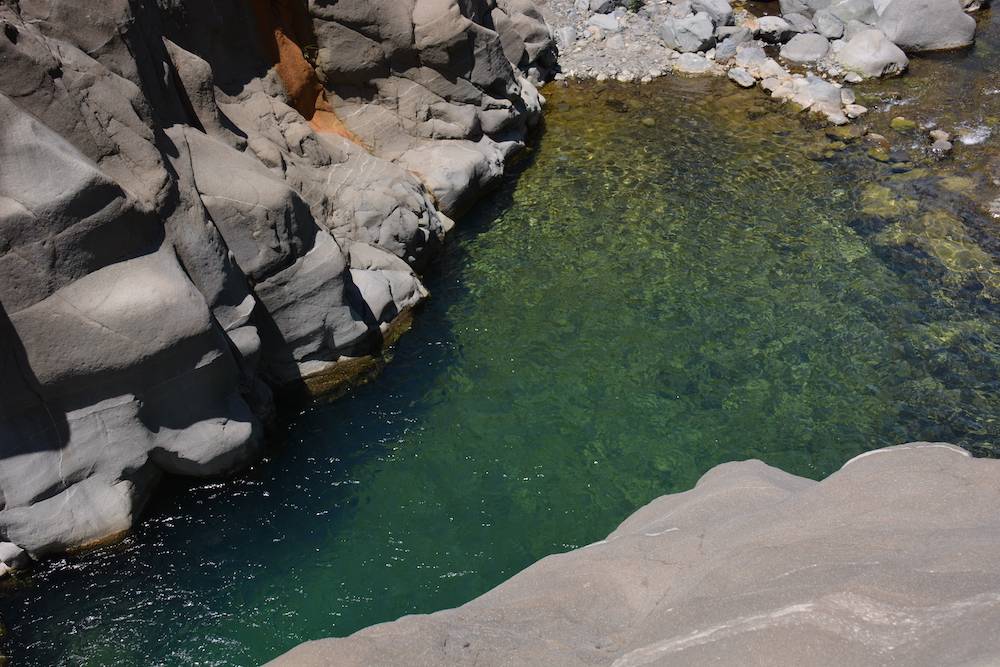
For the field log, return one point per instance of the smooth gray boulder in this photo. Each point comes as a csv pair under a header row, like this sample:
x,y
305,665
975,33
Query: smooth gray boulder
x,y
894,559
720,11
606,22
855,10
799,22
741,77
828,25
690,34
726,49
870,54
927,25
807,47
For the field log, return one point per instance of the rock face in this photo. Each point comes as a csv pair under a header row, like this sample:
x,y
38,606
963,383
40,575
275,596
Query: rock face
x,y
202,200
893,559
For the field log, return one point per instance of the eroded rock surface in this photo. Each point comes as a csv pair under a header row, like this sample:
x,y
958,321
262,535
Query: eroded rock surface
x,y
200,201
895,559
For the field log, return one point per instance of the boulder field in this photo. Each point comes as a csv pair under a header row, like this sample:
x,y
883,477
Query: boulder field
x,y
200,201
803,52
894,559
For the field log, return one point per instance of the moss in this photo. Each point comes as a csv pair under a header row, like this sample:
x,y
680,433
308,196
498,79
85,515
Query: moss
x,y
878,153
900,124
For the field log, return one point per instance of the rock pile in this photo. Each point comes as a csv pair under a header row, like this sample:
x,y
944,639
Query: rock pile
x,y
819,45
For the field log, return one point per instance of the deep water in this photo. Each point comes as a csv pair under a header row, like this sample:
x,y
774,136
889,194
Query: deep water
x,y
680,275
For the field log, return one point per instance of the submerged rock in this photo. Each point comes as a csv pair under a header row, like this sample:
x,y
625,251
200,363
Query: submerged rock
x,y
894,558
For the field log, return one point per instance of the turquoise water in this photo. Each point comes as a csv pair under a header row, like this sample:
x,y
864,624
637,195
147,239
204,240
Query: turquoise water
x,y
679,276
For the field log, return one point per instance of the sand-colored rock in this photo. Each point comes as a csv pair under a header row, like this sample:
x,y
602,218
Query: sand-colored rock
x,y
895,559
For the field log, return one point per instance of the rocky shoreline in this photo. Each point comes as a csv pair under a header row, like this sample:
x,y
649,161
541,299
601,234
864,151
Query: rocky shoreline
x,y
807,56
200,203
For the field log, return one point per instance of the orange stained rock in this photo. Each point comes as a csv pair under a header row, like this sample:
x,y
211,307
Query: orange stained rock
x,y
283,28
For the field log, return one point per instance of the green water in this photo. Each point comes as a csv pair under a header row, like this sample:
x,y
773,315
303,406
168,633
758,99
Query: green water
x,y
647,299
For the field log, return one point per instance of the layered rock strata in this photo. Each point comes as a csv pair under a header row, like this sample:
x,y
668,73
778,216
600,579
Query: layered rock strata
x,y
203,200
895,559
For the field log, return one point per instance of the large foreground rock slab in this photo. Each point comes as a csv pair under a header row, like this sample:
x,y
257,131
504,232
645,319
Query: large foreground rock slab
x,y
895,559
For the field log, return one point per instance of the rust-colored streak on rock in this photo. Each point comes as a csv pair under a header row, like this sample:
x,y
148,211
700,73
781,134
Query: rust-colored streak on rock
x,y
284,30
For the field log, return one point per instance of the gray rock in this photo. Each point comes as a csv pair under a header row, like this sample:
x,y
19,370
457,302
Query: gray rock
x,y
774,29
807,47
799,23
793,7
190,224
694,63
942,146
927,25
855,10
870,54
688,35
894,559
720,11
566,36
602,6
828,25
726,50
741,77
606,22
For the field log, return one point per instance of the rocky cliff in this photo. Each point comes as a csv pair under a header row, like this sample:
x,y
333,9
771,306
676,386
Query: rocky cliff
x,y
895,559
204,199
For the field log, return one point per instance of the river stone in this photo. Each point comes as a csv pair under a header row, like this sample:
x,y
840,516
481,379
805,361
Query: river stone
x,y
799,23
870,54
689,35
807,47
927,25
694,63
828,25
774,29
606,22
741,77
719,10
726,50
893,559
855,10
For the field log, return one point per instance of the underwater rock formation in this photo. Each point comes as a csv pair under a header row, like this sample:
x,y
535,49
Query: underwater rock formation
x,y
893,559
200,201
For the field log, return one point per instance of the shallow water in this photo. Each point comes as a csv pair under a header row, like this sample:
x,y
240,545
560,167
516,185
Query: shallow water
x,y
681,276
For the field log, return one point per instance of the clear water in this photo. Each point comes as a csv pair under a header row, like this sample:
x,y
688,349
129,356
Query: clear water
x,y
649,298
